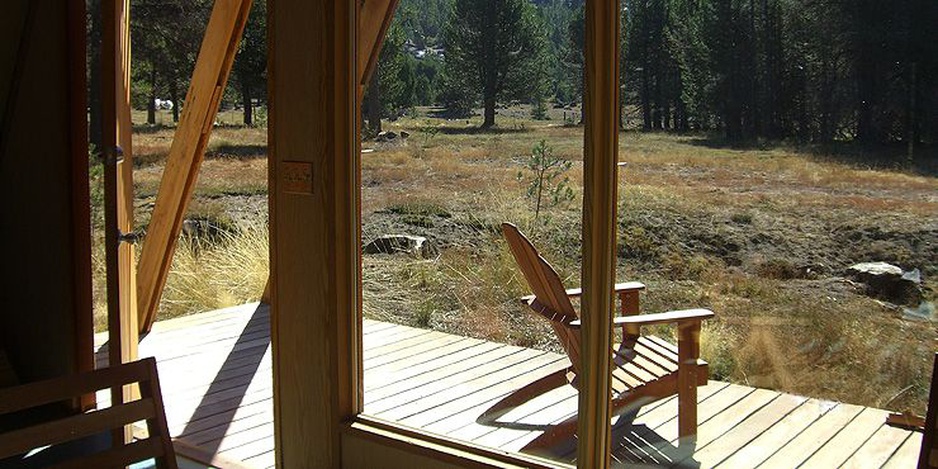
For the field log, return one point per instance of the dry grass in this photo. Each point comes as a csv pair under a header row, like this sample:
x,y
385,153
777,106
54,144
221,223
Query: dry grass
x,y
229,271
205,275
685,205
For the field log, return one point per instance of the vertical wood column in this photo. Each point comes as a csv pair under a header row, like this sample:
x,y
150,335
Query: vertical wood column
x,y
81,202
118,191
314,239
600,152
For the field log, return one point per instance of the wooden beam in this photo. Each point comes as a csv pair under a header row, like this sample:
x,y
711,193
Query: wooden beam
x,y
373,24
118,194
219,47
600,154
81,198
314,234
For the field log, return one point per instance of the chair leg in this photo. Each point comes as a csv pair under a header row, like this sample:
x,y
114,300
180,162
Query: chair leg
x,y
688,352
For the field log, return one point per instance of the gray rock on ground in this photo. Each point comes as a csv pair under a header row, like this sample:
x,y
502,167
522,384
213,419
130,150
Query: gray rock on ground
x,y
888,282
404,244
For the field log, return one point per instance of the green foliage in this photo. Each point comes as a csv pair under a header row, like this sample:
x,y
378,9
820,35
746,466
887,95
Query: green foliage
x,y
547,183
165,43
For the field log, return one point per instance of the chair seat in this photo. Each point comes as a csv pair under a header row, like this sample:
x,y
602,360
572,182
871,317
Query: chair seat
x,y
654,360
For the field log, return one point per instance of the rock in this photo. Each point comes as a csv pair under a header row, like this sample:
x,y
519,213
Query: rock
x,y
888,282
203,229
386,136
392,244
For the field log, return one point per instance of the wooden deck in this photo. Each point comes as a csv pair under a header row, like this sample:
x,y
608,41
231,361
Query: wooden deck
x,y
215,372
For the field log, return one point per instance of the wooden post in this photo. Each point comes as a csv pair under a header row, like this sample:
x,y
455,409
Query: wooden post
x,y
373,23
600,154
81,203
219,47
688,350
631,306
314,233
118,193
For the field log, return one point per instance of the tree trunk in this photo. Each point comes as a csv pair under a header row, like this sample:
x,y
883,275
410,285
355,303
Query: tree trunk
x,y
372,104
247,102
174,96
151,104
489,102
646,100
489,71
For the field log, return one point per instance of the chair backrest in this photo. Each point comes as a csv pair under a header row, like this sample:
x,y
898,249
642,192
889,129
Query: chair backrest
x,y
550,297
148,408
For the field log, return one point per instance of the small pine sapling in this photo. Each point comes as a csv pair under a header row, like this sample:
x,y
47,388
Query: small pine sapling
x,y
548,185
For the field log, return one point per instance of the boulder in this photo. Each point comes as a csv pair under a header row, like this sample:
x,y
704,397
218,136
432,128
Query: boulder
x,y
202,228
386,136
888,282
403,244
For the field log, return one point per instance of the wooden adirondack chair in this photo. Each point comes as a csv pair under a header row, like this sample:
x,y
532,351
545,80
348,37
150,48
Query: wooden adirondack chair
x,y
646,368
84,430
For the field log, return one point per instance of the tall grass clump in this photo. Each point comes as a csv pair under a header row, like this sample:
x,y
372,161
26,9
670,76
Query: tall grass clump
x,y
229,270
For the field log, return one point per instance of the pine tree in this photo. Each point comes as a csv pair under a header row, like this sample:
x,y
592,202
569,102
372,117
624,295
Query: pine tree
x,y
494,50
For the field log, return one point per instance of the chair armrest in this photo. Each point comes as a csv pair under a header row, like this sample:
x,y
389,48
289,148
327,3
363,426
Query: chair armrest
x,y
578,292
671,317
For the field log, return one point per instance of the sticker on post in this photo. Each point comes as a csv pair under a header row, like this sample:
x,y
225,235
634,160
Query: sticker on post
x,y
297,177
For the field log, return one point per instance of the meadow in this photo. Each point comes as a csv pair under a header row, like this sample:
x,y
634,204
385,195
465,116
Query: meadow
x,y
761,234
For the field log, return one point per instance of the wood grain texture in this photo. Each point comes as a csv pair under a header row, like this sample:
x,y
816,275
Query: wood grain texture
x,y
600,181
216,55
373,24
81,198
118,196
314,237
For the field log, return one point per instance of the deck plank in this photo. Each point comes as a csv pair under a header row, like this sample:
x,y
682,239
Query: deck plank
x,y
877,450
744,432
761,448
850,438
907,454
796,450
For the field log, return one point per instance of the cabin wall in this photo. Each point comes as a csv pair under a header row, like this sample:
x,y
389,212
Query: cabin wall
x,y
45,296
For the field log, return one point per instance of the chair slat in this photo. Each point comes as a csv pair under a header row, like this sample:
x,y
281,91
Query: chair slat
x,y
54,390
74,427
149,408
